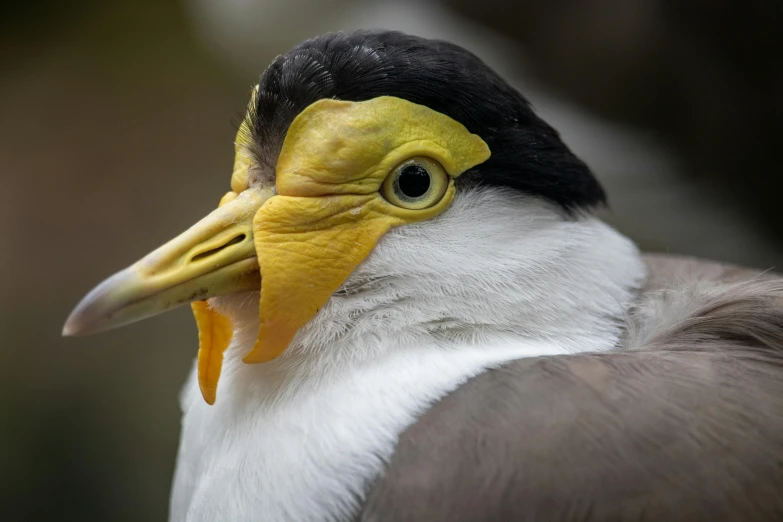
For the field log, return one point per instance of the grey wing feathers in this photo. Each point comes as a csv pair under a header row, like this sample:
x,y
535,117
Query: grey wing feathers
x,y
686,423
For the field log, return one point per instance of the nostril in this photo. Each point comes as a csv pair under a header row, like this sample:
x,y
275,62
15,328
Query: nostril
x,y
234,241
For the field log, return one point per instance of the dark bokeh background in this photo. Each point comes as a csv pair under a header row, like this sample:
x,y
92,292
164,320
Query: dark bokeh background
x,y
116,133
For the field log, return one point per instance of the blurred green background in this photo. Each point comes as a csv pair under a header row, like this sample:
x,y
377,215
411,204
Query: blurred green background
x,y
116,133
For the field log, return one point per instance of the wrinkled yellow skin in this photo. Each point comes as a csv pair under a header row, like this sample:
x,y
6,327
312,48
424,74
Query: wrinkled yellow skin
x,y
328,213
309,246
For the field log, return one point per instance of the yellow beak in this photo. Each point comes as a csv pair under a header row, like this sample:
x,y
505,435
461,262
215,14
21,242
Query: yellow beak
x,y
214,257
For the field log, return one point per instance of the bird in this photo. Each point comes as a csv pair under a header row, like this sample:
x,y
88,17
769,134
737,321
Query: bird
x,y
409,309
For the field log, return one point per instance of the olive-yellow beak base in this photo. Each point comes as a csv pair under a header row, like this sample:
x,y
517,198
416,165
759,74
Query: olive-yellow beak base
x,y
214,257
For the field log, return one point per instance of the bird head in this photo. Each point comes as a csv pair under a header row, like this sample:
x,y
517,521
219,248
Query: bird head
x,y
346,139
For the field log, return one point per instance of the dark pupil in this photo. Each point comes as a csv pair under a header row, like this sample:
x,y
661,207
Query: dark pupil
x,y
414,181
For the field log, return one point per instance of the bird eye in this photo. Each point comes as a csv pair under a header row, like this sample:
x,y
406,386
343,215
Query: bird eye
x,y
416,183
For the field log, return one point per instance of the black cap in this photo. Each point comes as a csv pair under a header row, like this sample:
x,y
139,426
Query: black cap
x,y
527,154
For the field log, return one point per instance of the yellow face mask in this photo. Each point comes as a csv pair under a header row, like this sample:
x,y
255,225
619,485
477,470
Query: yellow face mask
x,y
347,173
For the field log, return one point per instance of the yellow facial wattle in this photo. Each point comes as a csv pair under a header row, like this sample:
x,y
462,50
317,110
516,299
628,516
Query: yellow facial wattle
x,y
329,212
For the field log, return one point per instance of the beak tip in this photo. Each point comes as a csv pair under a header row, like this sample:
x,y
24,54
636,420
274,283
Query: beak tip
x,y
73,326
94,312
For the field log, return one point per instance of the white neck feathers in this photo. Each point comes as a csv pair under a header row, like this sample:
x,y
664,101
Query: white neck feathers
x,y
495,278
